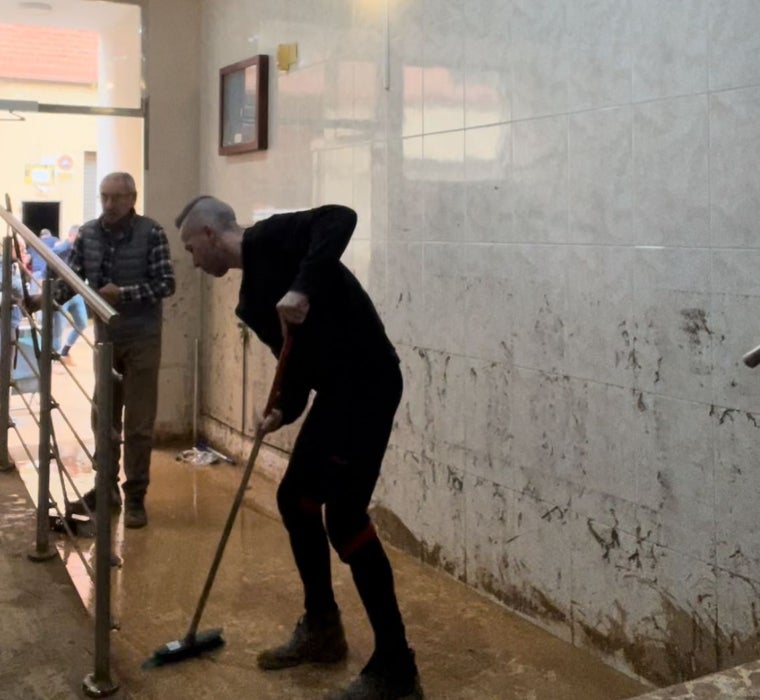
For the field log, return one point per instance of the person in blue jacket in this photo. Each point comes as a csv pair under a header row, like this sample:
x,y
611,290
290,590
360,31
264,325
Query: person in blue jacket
x,y
39,269
75,306
293,282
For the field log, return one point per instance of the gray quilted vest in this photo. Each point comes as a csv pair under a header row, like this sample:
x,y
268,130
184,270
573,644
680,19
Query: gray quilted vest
x,y
129,266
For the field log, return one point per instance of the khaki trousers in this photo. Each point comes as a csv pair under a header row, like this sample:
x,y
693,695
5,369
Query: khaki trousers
x,y
135,399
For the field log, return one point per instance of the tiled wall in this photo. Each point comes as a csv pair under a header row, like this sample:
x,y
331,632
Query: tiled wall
x,y
558,218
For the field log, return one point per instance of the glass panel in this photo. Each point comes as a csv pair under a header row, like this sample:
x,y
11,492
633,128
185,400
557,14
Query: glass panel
x,y
84,54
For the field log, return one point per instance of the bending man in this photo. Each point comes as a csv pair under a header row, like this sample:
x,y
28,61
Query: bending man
x,y
293,281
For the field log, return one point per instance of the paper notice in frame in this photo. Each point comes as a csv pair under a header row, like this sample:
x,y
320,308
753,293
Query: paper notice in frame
x,y
243,106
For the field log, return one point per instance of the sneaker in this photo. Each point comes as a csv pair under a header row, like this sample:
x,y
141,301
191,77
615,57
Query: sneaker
x,y
87,501
384,680
67,360
322,642
134,512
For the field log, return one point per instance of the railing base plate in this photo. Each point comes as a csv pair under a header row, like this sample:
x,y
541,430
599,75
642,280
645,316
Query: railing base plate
x,y
37,555
98,689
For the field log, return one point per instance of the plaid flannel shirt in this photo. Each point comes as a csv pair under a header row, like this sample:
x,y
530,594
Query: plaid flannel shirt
x,y
160,281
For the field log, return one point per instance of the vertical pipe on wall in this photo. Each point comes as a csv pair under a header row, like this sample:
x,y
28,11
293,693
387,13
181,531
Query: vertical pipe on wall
x,y
387,58
196,360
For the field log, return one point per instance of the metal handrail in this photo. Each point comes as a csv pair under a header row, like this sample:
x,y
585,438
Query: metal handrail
x,y
101,308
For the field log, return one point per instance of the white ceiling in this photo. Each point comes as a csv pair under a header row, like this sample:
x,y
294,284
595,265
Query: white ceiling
x,y
73,14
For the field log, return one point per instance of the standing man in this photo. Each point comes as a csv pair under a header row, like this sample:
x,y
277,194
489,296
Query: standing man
x,y
293,281
125,258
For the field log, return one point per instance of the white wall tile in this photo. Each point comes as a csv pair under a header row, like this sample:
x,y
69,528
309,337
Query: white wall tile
x,y
488,419
405,189
671,179
444,279
599,176
600,337
598,53
489,303
541,411
404,298
734,176
539,46
540,306
734,43
489,195
540,548
737,490
540,180
442,174
669,48
602,447
677,475
443,74
735,327
491,524
487,69
671,303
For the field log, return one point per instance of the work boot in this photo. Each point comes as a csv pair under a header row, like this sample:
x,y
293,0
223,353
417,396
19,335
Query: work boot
x,y
88,500
134,512
384,679
320,641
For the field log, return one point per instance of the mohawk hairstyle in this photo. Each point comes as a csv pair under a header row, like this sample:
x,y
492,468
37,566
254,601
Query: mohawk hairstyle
x,y
183,214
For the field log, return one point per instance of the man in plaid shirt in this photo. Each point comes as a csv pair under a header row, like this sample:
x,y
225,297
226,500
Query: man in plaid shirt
x,y
125,257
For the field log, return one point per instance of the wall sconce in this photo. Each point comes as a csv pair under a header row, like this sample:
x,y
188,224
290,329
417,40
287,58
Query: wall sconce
x,y
287,56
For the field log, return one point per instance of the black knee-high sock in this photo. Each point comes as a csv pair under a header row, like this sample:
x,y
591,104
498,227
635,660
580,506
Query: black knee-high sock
x,y
373,577
311,552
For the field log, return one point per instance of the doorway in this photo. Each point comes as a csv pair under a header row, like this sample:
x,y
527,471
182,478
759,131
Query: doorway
x,y
39,215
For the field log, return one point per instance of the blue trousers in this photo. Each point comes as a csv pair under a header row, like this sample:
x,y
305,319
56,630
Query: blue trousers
x,y
76,308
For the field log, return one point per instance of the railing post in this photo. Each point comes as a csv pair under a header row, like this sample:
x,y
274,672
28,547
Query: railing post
x,y
6,345
42,550
99,684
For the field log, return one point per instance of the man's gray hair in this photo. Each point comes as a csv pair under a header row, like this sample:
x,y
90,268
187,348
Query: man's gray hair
x,y
207,211
127,180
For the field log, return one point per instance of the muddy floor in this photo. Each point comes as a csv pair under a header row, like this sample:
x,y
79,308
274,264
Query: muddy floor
x,y
467,646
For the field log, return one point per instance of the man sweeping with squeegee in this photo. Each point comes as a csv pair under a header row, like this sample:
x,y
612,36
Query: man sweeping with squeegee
x,y
295,285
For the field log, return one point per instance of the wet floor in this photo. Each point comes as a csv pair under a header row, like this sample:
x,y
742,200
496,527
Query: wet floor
x,y
467,647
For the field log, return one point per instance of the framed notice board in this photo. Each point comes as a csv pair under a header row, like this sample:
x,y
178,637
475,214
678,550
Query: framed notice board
x,y
243,106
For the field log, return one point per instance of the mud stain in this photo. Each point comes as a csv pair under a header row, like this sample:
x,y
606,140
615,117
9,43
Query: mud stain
x,y
694,322
671,645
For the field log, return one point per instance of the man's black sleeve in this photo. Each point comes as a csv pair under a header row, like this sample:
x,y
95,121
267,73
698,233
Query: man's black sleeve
x,y
324,239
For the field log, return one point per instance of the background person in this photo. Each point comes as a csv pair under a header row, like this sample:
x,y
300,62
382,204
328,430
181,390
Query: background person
x,y
17,293
125,258
75,306
38,269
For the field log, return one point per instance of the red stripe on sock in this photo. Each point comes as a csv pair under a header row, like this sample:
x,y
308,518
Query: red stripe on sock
x,y
359,540
310,507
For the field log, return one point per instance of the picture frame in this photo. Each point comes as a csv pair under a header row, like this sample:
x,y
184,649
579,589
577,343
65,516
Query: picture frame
x,y
244,106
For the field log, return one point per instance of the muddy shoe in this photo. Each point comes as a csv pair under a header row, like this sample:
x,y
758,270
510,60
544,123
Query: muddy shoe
x,y
384,680
322,642
134,512
88,501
